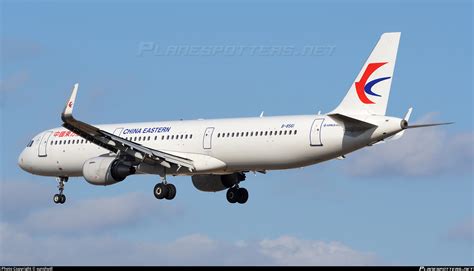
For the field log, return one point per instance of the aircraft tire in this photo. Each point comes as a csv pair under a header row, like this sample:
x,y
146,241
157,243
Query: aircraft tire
x,y
57,198
171,191
232,195
243,195
160,191
62,198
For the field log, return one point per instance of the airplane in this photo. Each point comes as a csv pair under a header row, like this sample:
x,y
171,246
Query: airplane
x,y
217,153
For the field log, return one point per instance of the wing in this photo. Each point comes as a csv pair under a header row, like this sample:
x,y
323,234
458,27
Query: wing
x,y
118,144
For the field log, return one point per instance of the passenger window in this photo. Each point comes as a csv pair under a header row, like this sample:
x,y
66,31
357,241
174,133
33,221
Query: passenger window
x,y
167,137
295,132
172,137
285,132
242,134
232,134
266,133
261,133
162,137
186,137
247,134
190,136
271,132
237,135
219,135
228,134
251,133
281,132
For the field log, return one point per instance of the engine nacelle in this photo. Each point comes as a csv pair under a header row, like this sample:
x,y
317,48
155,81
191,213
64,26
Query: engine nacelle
x,y
214,183
106,170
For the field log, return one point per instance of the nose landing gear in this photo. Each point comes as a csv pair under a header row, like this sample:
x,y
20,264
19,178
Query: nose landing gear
x,y
60,197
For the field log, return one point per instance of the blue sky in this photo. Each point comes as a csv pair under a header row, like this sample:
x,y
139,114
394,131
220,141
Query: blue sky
x,y
409,202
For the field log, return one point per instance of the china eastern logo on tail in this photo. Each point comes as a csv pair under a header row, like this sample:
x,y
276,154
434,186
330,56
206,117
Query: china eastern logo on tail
x,y
363,88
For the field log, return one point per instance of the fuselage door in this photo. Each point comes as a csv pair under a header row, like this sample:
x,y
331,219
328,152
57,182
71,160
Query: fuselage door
x,y
118,131
207,141
315,136
43,144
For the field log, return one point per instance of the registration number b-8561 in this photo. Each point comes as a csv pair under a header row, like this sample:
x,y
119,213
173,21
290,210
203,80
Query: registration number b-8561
x,y
289,125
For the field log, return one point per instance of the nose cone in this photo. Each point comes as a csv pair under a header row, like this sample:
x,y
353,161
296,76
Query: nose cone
x,y
23,162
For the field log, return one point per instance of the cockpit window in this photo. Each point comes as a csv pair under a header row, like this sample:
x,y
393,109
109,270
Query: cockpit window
x,y
29,144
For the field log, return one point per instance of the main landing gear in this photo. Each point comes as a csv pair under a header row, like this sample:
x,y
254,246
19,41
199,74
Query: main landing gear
x,y
60,197
164,190
237,194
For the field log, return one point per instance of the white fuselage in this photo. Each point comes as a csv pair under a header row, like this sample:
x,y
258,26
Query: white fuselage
x,y
217,146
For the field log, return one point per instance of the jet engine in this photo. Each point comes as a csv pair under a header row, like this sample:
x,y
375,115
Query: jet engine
x,y
106,170
214,183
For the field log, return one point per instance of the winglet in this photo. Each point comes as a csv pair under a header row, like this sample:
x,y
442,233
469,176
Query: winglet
x,y
67,112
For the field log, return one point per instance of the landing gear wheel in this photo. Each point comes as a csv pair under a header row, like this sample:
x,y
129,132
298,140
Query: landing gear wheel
x,y
232,195
161,191
171,191
243,195
60,197
57,198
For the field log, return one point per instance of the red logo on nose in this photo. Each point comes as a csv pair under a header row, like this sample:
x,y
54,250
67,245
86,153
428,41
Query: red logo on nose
x,y
70,104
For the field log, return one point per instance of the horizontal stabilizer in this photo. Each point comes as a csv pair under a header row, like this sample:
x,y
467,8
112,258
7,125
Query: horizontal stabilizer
x,y
352,123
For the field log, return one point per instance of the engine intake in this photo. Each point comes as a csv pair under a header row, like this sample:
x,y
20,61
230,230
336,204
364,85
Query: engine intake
x,y
106,170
